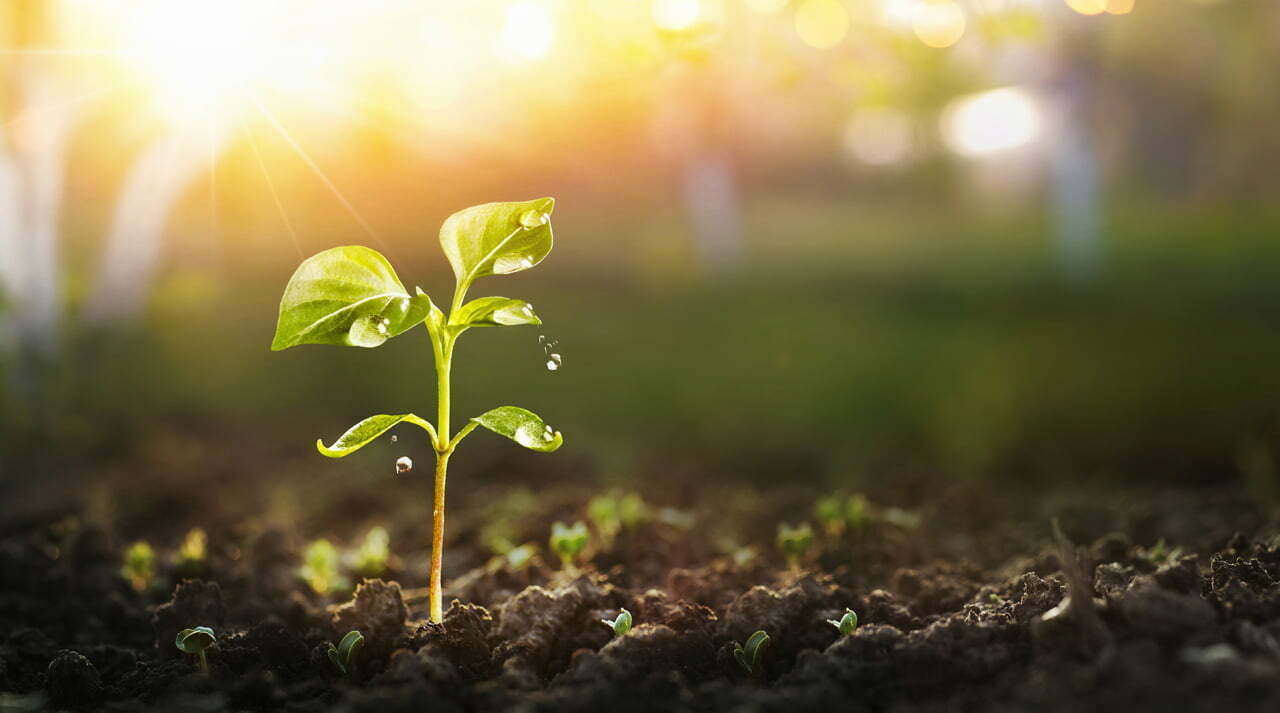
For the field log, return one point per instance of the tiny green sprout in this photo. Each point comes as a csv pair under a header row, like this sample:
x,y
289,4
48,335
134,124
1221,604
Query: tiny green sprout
x,y
620,625
139,565
375,550
829,510
344,654
195,641
351,296
847,623
749,656
613,512
794,541
569,542
320,567
193,547
857,511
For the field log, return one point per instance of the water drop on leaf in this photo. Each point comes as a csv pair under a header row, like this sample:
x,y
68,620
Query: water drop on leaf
x,y
531,219
367,331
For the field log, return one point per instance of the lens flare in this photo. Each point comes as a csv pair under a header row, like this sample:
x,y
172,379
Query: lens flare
x,y
990,122
938,24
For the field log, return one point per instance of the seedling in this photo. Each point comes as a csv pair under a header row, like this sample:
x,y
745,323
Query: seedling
x,y
344,654
794,542
351,296
620,625
195,641
847,623
320,567
829,511
749,656
193,548
139,565
371,558
614,512
857,511
569,542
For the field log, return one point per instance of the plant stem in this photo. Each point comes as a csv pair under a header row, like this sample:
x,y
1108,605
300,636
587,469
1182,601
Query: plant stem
x,y
444,357
204,664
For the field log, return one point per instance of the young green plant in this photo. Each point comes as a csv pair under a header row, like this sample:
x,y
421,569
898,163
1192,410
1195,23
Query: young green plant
x,y
351,296
344,654
568,541
194,641
750,656
847,623
622,624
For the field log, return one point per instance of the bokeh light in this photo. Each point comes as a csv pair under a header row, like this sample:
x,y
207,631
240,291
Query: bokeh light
x,y
527,32
938,24
991,121
676,14
879,136
1088,7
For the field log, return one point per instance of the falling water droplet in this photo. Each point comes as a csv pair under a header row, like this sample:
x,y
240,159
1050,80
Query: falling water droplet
x,y
553,362
542,339
394,438
404,464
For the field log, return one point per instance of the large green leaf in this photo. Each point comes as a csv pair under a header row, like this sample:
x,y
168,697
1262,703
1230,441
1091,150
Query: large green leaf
x,y
497,238
349,296
359,435
495,311
522,426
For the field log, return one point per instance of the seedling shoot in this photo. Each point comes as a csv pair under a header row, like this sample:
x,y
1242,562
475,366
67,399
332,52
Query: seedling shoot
x,y
351,296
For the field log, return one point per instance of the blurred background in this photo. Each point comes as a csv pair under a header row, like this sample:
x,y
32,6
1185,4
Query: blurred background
x,y
821,243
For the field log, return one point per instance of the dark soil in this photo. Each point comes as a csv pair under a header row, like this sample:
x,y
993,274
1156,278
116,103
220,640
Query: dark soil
x,y
979,608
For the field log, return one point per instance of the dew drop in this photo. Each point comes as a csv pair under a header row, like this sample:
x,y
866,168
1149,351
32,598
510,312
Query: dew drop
x,y
526,262
404,464
367,331
531,219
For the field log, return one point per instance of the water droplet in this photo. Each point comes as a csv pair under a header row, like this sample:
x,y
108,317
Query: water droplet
x,y
542,339
527,309
394,438
531,219
548,434
367,331
404,464
526,262
553,364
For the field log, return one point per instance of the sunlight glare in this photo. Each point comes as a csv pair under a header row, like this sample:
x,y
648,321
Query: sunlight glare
x,y
992,121
675,14
1088,7
822,24
938,24
528,31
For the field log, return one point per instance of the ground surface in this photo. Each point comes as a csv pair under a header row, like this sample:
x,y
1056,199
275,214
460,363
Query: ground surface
x,y
976,608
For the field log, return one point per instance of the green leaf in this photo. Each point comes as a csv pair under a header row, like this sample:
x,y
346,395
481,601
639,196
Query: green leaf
x,y
497,238
349,647
523,427
348,296
193,641
495,312
359,435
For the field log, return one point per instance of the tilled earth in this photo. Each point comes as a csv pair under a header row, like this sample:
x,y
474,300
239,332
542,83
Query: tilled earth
x,y
1027,623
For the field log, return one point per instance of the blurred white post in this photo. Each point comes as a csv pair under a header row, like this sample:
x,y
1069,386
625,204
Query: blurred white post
x,y
134,244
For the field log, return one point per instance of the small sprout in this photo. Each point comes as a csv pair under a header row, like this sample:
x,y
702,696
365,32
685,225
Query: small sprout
x,y
857,511
351,296
569,542
194,547
344,654
519,557
904,519
830,513
320,567
614,512
371,558
847,623
622,624
794,541
139,565
749,656
195,641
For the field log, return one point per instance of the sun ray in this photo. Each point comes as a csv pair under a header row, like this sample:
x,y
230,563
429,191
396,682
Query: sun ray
x,y
315,168
271,186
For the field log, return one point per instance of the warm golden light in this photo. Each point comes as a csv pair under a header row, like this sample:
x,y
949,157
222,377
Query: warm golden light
x,y
528,31
1120,7
766,7
879,136
822,24
991,121
1088,7
938,24
675,14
